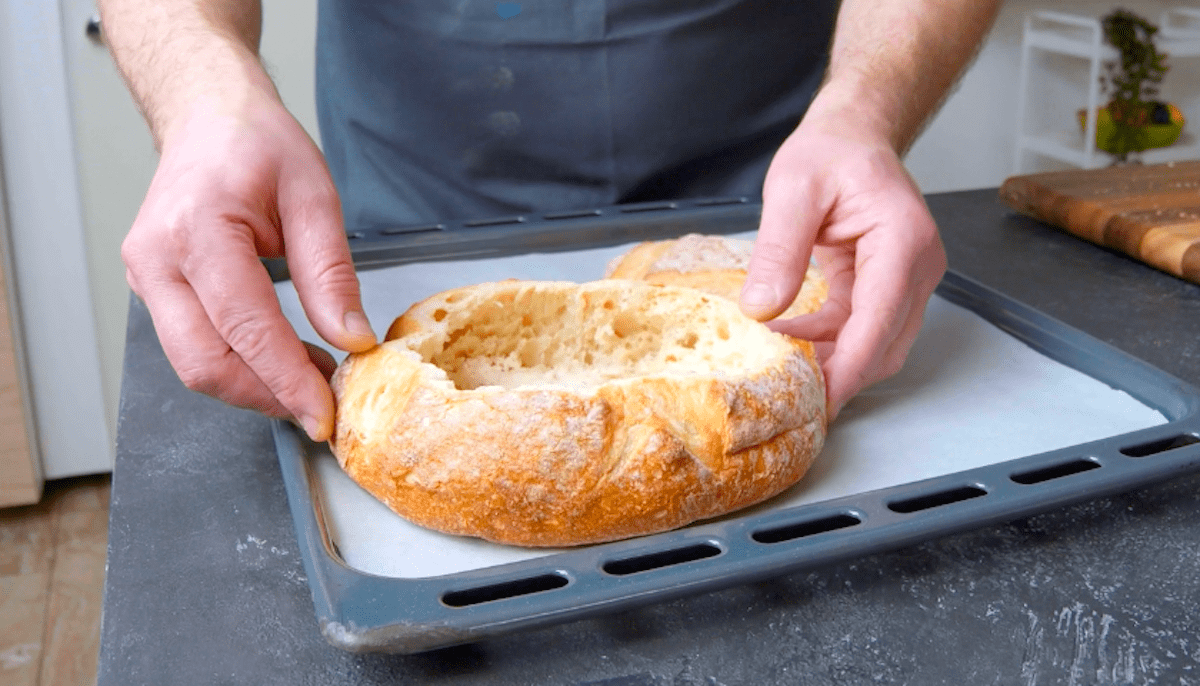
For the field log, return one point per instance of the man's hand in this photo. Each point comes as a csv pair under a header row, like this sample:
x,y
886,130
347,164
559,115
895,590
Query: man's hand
x,y
878,247
237,181
837,189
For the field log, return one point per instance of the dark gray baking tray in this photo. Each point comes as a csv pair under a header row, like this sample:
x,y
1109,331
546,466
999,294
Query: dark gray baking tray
x,y
362,612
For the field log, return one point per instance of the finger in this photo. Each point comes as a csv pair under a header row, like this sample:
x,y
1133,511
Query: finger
x,y
891,362
824,325
239,300
894,357
850,368
880,305
927,282
203,360
318,258
818,326
791,218
321,359
894,285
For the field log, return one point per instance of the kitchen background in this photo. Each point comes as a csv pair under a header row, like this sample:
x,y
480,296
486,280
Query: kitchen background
x,y
76,160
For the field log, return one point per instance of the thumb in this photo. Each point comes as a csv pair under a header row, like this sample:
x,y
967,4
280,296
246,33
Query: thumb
x,y
318,257
779,262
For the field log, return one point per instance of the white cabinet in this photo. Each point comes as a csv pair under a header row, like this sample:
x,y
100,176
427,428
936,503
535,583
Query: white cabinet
x,y
47,242
1058,47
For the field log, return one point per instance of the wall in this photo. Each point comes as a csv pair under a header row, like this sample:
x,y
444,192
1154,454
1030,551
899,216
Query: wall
x,y
289,34
969,143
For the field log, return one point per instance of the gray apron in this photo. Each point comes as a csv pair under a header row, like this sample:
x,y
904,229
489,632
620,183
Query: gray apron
x,y
442,109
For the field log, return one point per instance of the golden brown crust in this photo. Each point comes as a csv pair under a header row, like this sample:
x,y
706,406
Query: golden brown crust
x,y
556,464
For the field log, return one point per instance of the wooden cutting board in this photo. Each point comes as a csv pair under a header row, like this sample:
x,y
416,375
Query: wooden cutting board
x,y
1150,212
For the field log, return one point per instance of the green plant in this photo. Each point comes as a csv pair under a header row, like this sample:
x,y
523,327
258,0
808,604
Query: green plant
x,y
1133,81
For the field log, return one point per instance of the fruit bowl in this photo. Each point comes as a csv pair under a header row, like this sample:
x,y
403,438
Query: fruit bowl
x,y
1164,124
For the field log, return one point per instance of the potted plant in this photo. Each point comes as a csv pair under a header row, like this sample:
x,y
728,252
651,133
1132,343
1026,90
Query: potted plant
x,y
1134,120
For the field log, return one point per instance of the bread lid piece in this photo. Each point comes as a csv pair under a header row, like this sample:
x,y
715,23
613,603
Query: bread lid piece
x,y
556,414
713,264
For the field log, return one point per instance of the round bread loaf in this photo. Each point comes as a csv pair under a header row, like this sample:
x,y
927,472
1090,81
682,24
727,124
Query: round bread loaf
x,y
558,414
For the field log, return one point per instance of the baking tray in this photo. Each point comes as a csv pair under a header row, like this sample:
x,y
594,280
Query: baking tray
x,y
363,612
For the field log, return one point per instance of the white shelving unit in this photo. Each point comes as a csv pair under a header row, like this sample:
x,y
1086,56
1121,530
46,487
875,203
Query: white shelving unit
x,y
1082,38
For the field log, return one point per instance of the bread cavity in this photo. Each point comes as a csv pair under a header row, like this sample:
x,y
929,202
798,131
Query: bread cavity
x,y
533,334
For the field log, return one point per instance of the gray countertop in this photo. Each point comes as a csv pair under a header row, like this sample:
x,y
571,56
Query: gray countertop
x,y
205,583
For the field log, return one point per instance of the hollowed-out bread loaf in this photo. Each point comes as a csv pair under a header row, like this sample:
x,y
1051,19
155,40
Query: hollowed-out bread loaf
x,y
557,414
713,264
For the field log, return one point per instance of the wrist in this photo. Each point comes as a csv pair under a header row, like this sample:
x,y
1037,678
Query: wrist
x,y
232,83
848,109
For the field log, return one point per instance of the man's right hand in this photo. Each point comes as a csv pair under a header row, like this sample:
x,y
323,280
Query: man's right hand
x,y
239,179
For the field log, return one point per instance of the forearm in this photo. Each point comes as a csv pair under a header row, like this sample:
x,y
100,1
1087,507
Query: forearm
x,y
177,55
893,61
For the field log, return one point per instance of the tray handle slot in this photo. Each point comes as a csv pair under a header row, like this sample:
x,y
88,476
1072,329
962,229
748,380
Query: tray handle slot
x,y
648,207
1160,446
714,202
803,529
501,591
938,499
660,559
399,230
1055,471
494,221
572,214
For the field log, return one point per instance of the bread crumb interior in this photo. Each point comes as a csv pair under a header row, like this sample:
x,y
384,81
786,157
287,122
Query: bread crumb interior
x,y
531,336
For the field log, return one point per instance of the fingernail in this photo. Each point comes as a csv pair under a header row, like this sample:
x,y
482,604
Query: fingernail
x,y
356,323
758,296
311,426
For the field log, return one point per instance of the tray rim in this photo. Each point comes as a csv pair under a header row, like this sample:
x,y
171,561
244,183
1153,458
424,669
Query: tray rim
x,y
361,612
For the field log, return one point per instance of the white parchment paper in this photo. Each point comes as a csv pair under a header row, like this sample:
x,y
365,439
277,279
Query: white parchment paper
x,y
969,395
